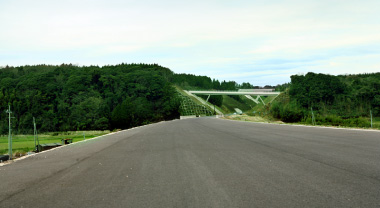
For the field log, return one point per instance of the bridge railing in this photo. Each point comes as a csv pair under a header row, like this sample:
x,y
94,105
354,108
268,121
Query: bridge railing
x,y
224,92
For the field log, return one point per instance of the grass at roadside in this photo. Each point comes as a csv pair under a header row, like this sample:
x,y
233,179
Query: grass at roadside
x,y
245,117
22,144
250,118
376,121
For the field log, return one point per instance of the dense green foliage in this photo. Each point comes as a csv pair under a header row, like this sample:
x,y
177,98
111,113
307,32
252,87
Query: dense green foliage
x,y
313,89
336,100
69,97
194,82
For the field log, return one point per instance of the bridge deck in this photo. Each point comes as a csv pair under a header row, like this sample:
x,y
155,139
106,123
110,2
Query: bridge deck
x,y
234,93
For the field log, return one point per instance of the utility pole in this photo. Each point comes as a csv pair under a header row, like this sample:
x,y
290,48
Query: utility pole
x,y
35,133
312,116
10,133
371,117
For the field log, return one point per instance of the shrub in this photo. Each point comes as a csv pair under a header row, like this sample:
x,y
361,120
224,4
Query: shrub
x,y
276,110
358,122
335,120
288,113
291,115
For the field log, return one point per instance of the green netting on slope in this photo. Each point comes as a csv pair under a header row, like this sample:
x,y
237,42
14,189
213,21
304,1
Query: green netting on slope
x,y
189,107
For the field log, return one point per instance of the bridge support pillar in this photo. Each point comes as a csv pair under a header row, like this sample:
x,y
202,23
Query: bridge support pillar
x,y
208,98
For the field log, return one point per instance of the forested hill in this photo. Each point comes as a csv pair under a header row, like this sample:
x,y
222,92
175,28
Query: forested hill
x,y
332,98
69,97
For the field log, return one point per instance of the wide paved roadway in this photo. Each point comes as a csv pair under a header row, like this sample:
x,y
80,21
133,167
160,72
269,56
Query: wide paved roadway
x,y
203,162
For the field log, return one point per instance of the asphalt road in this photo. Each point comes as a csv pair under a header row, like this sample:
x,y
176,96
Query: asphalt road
x,y
203,162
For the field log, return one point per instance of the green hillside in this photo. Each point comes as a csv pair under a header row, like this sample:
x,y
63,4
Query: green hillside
x,y
69,98
345,100
242,103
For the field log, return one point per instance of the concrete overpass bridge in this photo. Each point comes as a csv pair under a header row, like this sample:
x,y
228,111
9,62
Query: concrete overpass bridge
x,y
246,92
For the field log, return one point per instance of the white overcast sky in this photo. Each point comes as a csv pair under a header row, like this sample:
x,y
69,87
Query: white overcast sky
x,y
261,42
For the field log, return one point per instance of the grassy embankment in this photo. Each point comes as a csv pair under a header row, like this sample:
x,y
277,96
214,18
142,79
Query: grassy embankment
x,y
229,104
244,104
261,115
21,144
252,112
